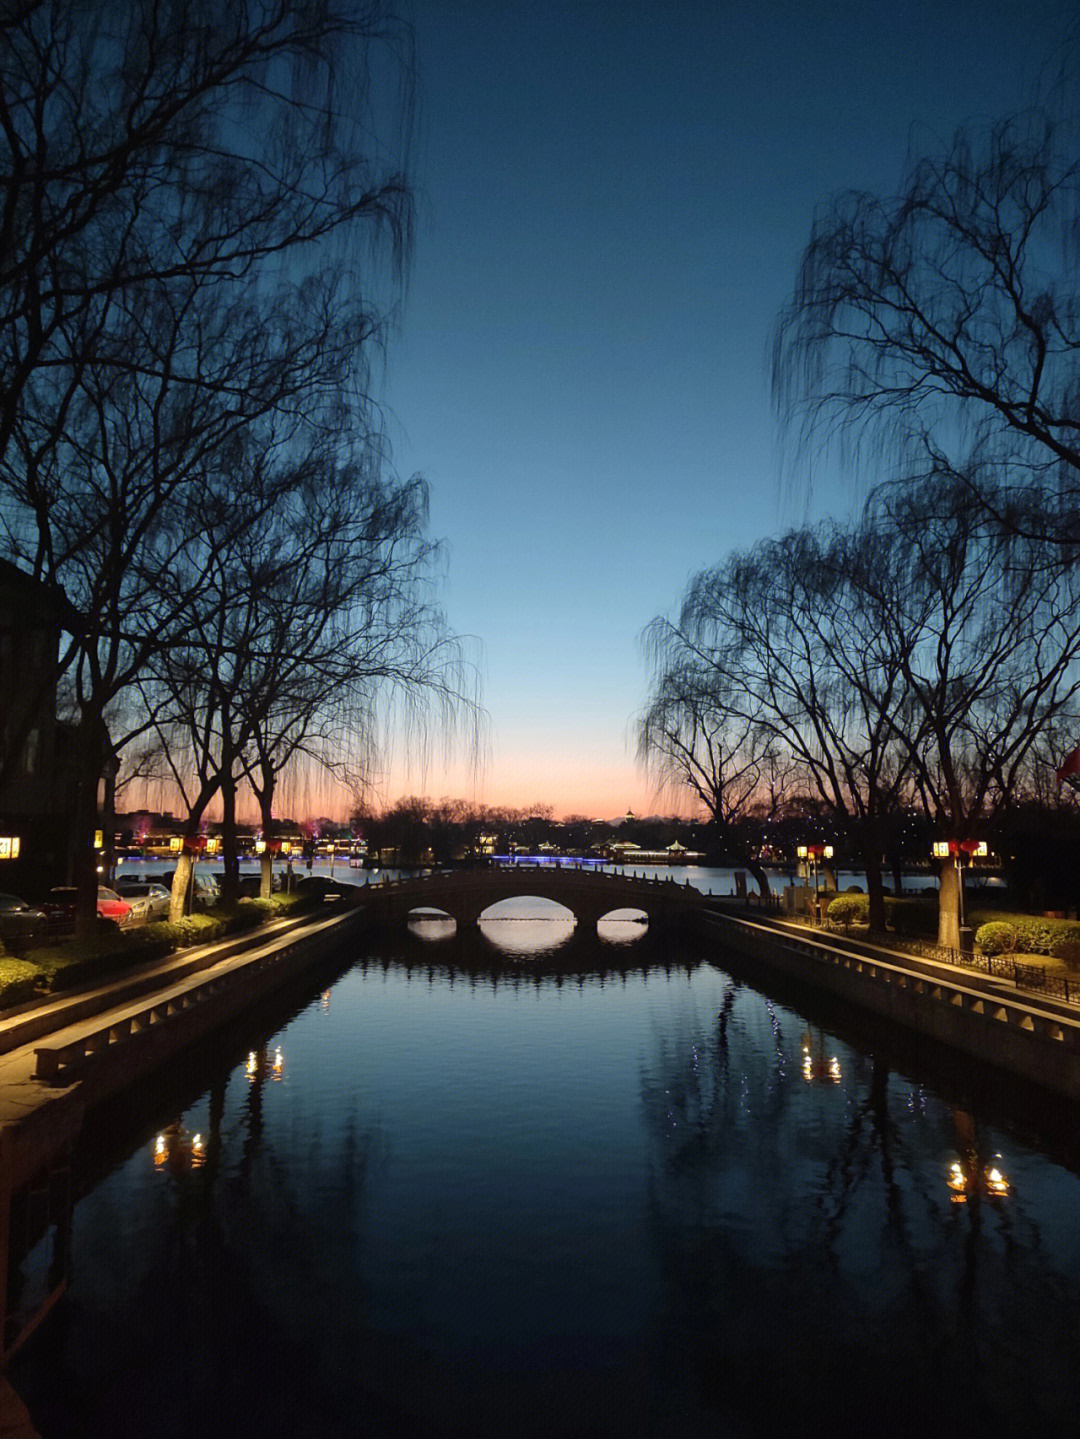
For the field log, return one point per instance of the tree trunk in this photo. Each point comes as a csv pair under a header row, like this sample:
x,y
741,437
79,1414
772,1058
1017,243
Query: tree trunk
x,y
180,886
949,906
266,808
230,878
757,870
82,856
182,879
875,892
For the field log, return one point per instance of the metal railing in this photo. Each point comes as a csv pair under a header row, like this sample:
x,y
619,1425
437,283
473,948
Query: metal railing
x,y
1025,976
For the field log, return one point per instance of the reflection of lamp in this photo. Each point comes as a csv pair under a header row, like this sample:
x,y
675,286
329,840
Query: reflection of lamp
x,y
178,1151
965,1181
995,1180
257,1066
957,1182
958,850
820,1069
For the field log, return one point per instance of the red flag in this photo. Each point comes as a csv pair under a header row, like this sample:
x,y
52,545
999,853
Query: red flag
x,y
1070,767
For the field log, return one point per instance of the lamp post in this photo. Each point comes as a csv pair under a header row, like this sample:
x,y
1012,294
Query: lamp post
x,y
958,850
812,853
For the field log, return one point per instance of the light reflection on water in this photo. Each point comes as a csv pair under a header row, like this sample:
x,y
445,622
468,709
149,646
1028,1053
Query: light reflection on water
x,y
520,1196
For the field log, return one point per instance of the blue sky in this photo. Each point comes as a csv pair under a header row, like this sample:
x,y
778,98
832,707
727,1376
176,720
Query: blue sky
x,y
612,203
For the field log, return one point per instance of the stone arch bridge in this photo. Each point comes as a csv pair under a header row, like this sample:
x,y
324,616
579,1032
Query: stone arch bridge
x,y
588,894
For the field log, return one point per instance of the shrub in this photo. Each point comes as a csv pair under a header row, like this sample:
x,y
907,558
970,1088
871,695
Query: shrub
x,y
996,938
1066,944
77,961
18,981
1068,951
849,909
915,918
200,928
256,911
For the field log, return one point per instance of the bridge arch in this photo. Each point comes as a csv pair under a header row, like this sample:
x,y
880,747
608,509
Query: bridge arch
x,y
430,924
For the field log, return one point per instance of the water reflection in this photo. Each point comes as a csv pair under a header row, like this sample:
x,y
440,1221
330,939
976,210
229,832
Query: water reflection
x,y
800,1239
431,925
176,1150
588,1193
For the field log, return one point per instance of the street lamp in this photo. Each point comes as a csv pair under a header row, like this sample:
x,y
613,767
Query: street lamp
x,y
958,850
812,853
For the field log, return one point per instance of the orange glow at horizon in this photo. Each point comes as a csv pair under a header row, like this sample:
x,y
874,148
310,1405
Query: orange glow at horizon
x,y
569,785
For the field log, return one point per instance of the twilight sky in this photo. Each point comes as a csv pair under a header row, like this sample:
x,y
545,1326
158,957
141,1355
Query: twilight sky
x,y
613,200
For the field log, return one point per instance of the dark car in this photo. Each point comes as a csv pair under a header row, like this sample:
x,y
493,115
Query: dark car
x,y
19,921
205,889
251,885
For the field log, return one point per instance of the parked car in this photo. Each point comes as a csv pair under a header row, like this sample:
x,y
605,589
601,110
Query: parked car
x,y
251,885
20,921
62,903
206,890
148,900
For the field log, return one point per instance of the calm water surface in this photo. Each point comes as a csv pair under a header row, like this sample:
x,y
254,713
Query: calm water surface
x,y
522,1184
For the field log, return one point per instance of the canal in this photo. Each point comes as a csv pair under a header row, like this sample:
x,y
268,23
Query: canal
x,y
528,1183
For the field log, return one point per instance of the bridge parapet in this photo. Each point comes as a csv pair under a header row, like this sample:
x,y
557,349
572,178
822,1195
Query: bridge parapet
x,y
466,894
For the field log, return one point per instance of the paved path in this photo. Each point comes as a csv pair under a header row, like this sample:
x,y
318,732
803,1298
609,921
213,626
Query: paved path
x,y
67,1016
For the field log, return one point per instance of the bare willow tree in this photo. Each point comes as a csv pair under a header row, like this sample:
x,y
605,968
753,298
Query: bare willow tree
x,y
173,180
347,623
156,141
300,619
793,654
920,655
986,635
944,322
695,735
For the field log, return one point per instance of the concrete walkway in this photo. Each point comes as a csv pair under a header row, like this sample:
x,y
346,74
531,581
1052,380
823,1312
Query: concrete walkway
x,y
66,1017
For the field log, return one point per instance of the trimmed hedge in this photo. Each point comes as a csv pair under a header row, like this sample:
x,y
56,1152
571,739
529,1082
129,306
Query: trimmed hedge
x,y
849,909
996,937
18,981
1032,934
111,950
914,918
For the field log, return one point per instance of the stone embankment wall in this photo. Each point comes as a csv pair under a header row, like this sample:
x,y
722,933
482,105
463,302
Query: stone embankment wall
x,y
988,1019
